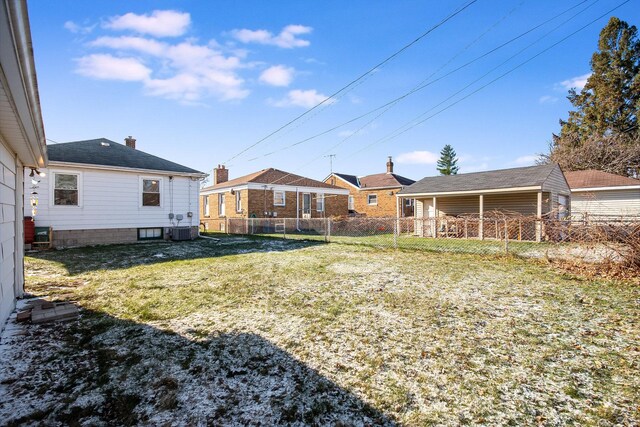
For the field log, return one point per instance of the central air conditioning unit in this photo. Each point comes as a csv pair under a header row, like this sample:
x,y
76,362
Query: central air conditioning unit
x,y
306,216
181,233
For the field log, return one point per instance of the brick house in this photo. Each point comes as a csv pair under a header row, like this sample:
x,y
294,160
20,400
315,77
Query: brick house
x,y
375,195
269,193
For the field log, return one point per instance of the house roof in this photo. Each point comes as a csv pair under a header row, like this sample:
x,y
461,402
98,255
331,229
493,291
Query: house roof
x,y
378,180
274,177
530,176
594,178
351,179
384,180
104,152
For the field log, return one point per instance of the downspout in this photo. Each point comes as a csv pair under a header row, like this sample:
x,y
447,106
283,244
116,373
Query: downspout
x,y
297,210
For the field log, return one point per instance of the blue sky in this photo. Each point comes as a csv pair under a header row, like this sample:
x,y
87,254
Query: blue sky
x,y
199,82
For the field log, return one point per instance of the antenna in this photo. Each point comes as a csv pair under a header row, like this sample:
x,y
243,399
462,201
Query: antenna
x,y
330,156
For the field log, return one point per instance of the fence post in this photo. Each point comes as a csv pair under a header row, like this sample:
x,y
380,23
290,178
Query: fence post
x,y
506,237
395,234
329,229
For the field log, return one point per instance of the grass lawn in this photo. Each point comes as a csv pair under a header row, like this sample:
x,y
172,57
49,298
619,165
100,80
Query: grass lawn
x,y
241,331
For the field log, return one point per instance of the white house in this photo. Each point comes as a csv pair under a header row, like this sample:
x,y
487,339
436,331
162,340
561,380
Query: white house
x,y
600,195
22,144
101,192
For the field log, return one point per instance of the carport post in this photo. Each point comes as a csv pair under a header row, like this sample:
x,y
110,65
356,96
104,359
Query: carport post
x,y
481,221
539,218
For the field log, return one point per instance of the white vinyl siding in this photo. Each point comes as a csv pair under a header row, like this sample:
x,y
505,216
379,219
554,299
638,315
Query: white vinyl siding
x,y
113,199
608,203
11,248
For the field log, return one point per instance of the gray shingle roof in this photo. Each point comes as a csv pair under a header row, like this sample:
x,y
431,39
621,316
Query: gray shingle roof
x,y
505,178
97,152
351,179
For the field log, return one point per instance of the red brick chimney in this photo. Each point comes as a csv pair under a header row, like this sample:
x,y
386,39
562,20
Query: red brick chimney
x,y
220,175
389,165
131,142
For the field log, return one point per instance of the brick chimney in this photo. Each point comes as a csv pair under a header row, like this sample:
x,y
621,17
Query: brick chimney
x,y
130,142
389,165
220,175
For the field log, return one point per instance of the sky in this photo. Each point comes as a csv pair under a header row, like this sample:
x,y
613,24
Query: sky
x,y
238,83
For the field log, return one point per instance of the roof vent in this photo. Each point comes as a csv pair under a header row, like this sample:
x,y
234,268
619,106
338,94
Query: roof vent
x,y
104,144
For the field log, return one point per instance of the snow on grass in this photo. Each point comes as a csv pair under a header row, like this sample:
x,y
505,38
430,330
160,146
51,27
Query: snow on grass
x,y
294,333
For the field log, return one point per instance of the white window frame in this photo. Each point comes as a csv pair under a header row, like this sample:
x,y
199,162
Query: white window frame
x,y
52,189
351,203
205,202
160,189
408,203
238,201
369,199
284,197
222,208
320,202
563,208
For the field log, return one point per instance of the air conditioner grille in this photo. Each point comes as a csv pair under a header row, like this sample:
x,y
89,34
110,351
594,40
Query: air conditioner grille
x,y
181,233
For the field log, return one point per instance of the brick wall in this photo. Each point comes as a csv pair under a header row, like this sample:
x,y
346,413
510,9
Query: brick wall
x,y
386,206
256,202
104,236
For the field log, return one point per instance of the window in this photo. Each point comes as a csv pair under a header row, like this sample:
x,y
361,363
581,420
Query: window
x,y
352,203
408,202
150,192
205,203
149,233
372,199
278,198
65,189
238,201
221,209
320,203
563,203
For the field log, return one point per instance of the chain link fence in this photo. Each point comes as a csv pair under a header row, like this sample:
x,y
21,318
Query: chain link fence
x,y
587,238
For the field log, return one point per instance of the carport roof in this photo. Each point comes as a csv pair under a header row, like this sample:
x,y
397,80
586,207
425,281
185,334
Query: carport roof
x,y
524,177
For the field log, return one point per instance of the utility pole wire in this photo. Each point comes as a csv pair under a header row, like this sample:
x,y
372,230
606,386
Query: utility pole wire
x,y
423,85
367,73
410,126
388,138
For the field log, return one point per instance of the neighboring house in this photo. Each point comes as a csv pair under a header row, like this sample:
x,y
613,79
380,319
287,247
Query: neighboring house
x,y
600,195
101,192
22,144
269,193
375,195
536,191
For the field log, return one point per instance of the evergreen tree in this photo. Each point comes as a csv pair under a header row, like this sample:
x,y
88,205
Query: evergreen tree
x,y
447,163
606,109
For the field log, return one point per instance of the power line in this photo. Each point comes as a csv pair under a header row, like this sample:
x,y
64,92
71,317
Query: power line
x,y
424,84
392,136
352,83
410,125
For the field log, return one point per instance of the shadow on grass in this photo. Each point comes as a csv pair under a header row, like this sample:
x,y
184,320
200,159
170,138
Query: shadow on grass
x,y
104,370
112,257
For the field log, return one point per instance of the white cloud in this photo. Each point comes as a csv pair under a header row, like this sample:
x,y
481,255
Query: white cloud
x,y
161,23
547,99
418,158
78,29
278,75
577,82
528,160
288,37
140,44
190,71
302,98
109,67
